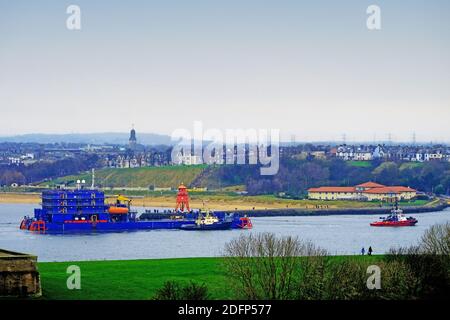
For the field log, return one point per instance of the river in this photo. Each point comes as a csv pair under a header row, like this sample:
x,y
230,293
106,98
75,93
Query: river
x,y
343,234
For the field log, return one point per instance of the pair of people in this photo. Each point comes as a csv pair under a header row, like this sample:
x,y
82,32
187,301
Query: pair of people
x,y
369,252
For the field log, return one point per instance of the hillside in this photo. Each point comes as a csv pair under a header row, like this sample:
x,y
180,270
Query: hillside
x,y
294,177
143,177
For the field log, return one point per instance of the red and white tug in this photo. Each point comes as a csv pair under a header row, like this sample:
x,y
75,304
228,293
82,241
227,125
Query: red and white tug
x,y
395,219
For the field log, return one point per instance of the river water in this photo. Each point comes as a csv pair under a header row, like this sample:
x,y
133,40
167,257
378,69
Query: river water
x,y
338,234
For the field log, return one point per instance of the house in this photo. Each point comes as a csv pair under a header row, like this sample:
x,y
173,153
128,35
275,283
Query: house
x,y
362,155
187,159
368,191
344,153
432,156
378,153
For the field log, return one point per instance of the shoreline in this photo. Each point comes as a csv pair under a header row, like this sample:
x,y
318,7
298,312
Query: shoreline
x,y
340,211
240,206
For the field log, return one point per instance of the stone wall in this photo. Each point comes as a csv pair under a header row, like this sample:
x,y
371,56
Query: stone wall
x,y
19,276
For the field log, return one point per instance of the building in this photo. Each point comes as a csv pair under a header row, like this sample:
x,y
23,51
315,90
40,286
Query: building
x,y
368,191
187,159
19,276
362,155
132,140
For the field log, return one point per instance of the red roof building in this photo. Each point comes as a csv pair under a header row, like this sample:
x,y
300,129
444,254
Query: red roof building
x,y
370,184
365,191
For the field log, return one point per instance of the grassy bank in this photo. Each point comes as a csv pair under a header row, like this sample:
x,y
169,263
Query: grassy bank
x,y
140,279
144,177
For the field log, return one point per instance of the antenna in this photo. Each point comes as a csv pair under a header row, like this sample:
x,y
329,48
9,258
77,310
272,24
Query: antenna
x,y
93,179
293,139
414,138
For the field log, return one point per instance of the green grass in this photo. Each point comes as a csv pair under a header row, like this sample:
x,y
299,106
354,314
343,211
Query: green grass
x,y
168,176
411,165
361,164
140,279
414,203
131,279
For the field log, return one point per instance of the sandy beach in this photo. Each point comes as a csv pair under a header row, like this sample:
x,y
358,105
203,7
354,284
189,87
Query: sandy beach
x,y
24,198
169,202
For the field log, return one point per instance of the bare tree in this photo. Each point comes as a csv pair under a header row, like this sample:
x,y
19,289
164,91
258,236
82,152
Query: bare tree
x,y
427,264
436,240
266,267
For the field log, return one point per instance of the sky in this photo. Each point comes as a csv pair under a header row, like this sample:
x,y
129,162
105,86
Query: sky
x,y
309,68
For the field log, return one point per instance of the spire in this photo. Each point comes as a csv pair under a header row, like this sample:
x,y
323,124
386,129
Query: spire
x,y
132,140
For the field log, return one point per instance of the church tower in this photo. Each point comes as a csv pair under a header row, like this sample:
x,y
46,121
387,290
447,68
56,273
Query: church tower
x,y
132,141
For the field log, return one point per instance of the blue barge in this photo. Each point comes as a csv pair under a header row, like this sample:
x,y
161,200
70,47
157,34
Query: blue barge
x,y
85,210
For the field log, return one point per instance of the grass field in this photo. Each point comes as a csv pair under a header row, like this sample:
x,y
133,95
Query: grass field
x,y
363,164
411,165
140,279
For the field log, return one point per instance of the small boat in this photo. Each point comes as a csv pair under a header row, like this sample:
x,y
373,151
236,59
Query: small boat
x,y
245,223
395,219
208,222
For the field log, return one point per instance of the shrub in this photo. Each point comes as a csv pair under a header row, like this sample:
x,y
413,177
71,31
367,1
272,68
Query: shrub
x,y
312,282
346,280
266,267
398,282
173,290
436,240
428,263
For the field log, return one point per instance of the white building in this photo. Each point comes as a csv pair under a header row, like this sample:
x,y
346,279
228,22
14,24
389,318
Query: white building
x,y
188,159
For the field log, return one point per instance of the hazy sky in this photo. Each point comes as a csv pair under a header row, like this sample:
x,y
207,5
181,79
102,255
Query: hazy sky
x,y
309,68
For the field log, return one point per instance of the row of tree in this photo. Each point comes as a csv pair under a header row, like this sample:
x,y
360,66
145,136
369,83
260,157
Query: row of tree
x,y
295,176
41,171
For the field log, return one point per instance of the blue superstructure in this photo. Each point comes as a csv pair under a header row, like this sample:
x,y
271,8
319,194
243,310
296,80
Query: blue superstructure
x,y
83,210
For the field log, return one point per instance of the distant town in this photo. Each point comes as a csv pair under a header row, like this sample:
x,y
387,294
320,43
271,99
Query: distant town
x,y
135,155
302,166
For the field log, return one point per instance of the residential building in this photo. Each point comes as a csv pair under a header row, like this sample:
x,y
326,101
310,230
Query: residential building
x,y
368,191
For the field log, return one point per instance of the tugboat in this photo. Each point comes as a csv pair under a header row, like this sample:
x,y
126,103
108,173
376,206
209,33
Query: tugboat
x,y
395,219
245,223
208,222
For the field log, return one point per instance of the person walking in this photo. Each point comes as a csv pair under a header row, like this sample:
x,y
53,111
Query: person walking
x,y
363,251
369,252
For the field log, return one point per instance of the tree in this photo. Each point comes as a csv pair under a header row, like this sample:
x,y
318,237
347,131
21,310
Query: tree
x,y
386,173
263,266
439,189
